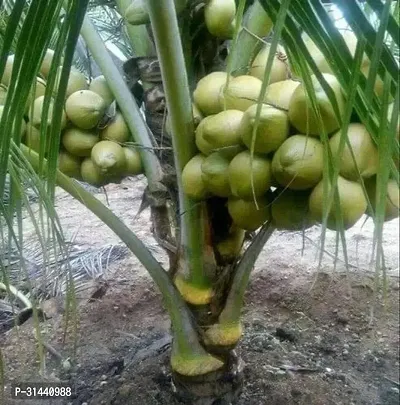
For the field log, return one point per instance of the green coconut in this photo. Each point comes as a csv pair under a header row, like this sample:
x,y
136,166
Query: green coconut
x,y
241,93
79,142
192,179
46,63
351,42
6,78
219,16
319,58
289,209
36,111
301,114
242,171
247,215
279,94
279,70
32,138
366,158
202,145
92,174
109,156
100,86
221,132
206,93
215,174
85,108
229,248
69,164
298,162
392,205
116,130
76,81
133,162
272,128
352,203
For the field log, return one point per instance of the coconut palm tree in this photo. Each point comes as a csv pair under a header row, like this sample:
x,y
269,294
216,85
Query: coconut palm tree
x,y
212,238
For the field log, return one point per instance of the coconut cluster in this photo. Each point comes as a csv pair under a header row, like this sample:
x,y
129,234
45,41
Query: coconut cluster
x,y
91,150
275,170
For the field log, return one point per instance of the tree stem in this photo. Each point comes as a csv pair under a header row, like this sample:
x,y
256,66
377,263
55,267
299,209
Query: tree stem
x,y
233,306
169,49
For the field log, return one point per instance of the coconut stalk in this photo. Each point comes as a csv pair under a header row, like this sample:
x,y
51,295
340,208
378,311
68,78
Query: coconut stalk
x,y
228,330
192,280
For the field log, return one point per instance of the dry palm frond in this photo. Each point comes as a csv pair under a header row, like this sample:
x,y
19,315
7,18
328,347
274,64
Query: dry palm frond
x,y
47,275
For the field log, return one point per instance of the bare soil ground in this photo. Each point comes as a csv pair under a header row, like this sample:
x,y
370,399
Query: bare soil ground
x,y
310,335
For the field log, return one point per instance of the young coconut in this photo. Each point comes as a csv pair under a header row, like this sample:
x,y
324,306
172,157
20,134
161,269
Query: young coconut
x,y
272,128
298,162
279,94
76,81
69,164
279,70
241,93
366,159
116,130
352,203
242,170
100,86
36,111
351,42
46,63
206,93
246,215
192,181
79,142
301,114
219,16
215,174
202,145
133,162
392,198
289,209
220,131
85,108
109,157
92,174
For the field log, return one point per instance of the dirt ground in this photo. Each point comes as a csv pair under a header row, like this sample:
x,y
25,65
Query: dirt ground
x,y
310,336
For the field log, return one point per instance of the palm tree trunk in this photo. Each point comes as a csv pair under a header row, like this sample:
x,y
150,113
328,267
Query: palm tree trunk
x,y
222,387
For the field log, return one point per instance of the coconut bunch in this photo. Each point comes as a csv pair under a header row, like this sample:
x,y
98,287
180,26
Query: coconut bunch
x,y
275,170
93,147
